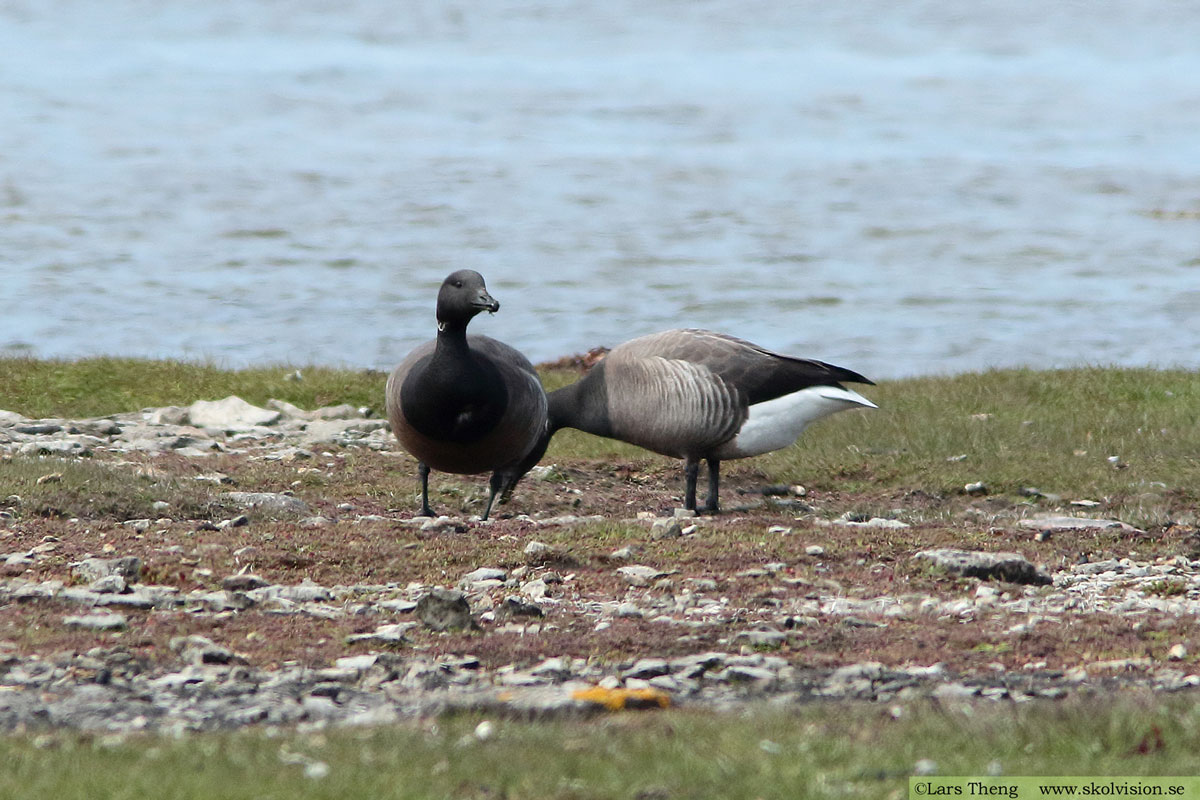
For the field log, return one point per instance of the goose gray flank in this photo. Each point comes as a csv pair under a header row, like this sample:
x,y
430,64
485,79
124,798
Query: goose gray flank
x,y
467,404
699,395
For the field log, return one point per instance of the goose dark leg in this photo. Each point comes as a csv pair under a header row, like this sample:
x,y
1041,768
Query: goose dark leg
x,y
714,480
691,470
423,473
495,485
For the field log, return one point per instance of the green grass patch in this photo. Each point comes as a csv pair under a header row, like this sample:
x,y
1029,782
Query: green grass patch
x,y
59,487
94,387
1128,434
1168,588
819,751
1053,430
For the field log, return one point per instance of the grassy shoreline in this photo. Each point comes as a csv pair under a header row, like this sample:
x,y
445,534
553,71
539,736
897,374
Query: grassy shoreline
x,y
1112,432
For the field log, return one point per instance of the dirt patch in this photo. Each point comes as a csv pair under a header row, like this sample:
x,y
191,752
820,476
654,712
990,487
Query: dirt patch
x,y
758,564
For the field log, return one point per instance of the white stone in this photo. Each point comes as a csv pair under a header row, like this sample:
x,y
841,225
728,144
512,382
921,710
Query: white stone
x,y
386,634
270,503
357,662
168,415
1050,522
323,431
535,589
873,522
9,418
343,411
288,410
97,622
639,575
537,551
231,413
484,574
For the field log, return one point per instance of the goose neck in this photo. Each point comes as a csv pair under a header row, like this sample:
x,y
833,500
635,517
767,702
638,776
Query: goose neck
x,y
452,339
581,405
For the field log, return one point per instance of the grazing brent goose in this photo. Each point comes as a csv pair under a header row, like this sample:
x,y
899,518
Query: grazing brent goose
x,y
695,394
466,404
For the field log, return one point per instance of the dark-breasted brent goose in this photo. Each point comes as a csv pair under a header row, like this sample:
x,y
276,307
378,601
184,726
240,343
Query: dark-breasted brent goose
x,y
466,404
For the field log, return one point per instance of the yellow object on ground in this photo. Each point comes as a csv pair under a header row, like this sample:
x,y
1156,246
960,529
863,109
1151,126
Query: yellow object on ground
x,y
617,699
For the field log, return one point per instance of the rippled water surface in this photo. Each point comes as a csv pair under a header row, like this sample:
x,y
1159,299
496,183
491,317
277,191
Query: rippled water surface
x,y
899,187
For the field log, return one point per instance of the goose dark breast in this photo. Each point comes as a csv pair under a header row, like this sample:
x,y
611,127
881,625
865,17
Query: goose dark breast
x,y
469,412
494,421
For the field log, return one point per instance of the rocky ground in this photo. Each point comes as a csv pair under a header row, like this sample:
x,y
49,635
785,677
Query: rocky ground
x,y
224,565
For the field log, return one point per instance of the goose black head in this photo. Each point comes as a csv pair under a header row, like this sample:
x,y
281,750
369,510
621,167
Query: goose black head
x,y
462,296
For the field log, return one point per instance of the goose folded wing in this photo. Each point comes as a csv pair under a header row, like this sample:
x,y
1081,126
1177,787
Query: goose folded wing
x,y
758,373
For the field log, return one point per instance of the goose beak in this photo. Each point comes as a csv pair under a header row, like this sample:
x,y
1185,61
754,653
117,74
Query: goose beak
x,y
485,302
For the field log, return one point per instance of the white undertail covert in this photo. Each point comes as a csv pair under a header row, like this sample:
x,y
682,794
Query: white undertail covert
x,y
777,423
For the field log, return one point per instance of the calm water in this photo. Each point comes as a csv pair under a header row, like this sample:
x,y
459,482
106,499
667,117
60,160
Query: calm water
x,y
900,187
